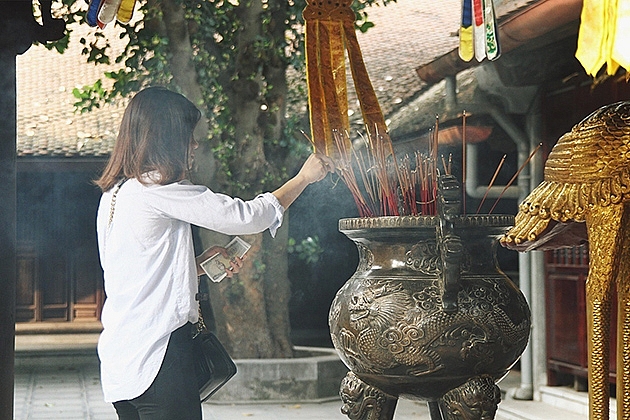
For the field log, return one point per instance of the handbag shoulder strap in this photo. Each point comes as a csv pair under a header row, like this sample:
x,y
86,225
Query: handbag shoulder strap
x,y
200,326
113,202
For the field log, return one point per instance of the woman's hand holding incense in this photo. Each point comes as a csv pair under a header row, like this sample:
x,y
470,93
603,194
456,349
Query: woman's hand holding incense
x,y
313,170
316,168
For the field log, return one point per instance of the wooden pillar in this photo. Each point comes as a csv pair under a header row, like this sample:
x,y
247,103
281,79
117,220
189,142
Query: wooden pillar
x,y
18,30
8,271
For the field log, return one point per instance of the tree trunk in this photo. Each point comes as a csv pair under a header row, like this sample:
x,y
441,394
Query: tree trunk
x,y
250,310
278,290
240,307
185,76
245,99
254,305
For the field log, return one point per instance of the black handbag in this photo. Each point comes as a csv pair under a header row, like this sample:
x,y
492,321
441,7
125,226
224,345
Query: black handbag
x,y
213,365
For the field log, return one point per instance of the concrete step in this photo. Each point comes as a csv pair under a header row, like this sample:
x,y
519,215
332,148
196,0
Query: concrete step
x,y
78,327
55,350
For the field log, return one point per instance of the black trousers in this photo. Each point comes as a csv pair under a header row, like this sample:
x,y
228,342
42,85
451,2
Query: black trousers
x,y
174,394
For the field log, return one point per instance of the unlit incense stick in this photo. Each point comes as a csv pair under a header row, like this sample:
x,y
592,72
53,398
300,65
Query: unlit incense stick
x,y
436,141
494,177
308,138
464,162
531,155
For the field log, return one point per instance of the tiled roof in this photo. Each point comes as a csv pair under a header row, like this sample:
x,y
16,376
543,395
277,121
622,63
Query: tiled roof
x,y
406,34
505,8
47,125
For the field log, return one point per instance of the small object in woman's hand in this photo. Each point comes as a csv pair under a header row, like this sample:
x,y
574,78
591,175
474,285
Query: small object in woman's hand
x,y
217,266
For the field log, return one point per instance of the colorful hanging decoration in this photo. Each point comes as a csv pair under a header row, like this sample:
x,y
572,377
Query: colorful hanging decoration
x,y
102,12
479,32
92,13
330,32
125,11
604,36
466,48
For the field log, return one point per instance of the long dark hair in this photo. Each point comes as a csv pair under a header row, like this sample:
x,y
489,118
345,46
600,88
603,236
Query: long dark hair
x,y
155,135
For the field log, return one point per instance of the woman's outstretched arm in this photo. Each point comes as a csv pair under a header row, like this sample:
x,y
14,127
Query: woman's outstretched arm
x,y
314,169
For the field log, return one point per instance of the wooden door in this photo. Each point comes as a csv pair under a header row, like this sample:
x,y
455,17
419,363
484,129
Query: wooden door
x,y
567,357
59,275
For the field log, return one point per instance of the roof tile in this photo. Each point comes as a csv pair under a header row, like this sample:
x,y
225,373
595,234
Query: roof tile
x,y
47,124
405,34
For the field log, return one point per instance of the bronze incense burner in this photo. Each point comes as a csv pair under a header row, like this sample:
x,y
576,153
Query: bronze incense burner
x,y
428,314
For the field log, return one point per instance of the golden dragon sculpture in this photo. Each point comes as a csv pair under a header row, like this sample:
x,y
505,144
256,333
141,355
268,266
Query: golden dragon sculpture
x,y
586,194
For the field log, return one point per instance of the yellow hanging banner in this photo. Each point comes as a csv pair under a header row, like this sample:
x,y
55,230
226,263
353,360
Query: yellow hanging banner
x,y
329,34
604,36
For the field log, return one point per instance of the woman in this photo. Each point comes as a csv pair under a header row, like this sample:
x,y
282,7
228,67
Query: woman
x,y
146,252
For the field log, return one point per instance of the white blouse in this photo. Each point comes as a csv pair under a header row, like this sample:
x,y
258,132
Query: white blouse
x,y
150,274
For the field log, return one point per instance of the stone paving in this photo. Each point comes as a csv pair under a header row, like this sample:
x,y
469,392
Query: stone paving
x,y
60,393
63,393
57,378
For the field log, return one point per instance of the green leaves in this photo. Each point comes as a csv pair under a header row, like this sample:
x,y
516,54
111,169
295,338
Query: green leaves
x,y
362,23
272,60
96,52
89,96
308,250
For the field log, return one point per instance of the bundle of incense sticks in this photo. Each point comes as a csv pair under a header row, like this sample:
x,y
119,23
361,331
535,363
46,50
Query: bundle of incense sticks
x,y
383,185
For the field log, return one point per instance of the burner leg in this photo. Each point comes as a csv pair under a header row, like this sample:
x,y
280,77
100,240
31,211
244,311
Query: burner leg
x,y
365,402
434,410
477,399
